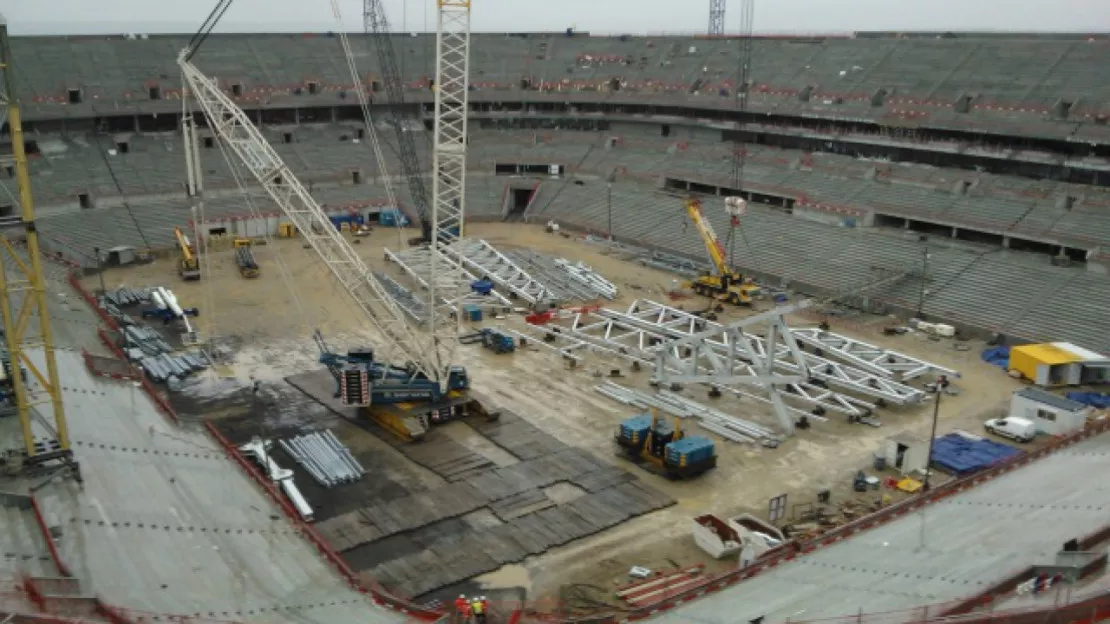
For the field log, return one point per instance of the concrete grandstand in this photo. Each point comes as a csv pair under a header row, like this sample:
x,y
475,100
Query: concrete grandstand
x,y
988,153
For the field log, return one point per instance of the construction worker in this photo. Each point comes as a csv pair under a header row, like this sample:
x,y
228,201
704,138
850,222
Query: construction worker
x,y
462,609
485,604
478,608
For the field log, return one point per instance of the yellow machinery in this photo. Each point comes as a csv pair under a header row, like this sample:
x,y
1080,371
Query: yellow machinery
x,y
723,284
23,301
188,266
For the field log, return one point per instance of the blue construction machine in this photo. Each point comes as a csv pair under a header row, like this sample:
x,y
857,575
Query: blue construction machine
x,y
400,398
663,449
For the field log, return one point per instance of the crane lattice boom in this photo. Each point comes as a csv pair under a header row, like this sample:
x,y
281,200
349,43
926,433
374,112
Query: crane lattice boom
x,y
430,355
376,26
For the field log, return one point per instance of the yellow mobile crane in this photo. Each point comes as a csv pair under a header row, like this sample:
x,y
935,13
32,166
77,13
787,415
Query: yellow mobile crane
x,y
189,266
723,283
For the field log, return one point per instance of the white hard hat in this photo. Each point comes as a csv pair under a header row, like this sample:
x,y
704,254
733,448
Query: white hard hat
x,y
462,595
482,598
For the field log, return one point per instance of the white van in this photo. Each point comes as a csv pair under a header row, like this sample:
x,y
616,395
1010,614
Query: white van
x,y
1013,427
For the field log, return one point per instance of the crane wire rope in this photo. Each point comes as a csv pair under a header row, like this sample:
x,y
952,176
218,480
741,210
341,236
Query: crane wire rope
x,y
208,322
741,91
367,118
119,188
571,174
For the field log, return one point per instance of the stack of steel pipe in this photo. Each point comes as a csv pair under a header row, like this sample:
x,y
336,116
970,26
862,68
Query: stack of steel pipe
x,y
725,425
588,277
324,457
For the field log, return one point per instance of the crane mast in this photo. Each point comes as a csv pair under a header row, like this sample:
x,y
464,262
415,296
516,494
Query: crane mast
x,y
452,89
430,352
23,290
716,18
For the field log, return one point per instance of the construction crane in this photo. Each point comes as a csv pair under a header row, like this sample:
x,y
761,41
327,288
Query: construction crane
x,y
188,266
722,283
451,88
428,353
27,328
716,18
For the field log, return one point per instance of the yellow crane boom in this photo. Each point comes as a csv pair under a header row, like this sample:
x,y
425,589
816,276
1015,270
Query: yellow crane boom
x,y
723,283
189,267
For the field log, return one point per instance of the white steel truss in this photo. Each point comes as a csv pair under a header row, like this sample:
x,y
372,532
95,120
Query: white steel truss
x,y
452,96
869,357
726,354
481,259
648,323
819,368
432,352
647,326
417,262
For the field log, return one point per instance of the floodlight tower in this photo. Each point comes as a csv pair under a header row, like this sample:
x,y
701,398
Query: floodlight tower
x,y
452,84
23,291
716,18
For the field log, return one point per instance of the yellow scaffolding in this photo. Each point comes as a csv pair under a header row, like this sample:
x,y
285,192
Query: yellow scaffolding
x,y
22,287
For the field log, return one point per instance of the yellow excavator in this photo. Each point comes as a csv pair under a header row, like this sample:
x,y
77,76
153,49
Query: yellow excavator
x,y
189,266
723,283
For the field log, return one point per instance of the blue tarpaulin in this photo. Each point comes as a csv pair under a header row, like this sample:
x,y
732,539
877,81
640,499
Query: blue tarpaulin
x,y
999,356
960,455
1099,400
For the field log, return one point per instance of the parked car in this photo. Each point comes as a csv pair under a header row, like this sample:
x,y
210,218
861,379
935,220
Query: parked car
x,y
1013,427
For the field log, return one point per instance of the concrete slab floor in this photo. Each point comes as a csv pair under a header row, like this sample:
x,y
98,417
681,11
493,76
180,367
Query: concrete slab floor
x,y
536,385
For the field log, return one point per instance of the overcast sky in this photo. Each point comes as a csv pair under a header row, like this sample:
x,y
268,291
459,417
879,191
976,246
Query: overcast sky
x,y
609,16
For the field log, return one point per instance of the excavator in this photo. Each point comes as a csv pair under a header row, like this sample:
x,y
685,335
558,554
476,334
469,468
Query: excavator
x,y
189,266
723,283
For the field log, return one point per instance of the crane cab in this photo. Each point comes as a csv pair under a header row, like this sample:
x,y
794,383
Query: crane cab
x,y
457,380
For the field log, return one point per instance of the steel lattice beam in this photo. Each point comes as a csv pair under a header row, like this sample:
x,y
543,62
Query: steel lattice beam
x,y
819,368
23,287
482,260
433,351
452,88
416,263
716,17
869,357
647,326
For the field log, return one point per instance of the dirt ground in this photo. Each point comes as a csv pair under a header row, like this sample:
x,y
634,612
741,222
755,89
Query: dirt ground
x,y
536,384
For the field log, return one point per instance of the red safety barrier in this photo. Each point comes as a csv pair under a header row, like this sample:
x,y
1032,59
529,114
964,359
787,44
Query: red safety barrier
x,y
380,596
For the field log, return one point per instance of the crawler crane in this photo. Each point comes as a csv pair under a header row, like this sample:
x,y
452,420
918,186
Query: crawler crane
x,y
723,283
410,379
188,265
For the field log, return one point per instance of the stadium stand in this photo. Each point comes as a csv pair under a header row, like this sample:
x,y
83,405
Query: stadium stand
x,y
106,172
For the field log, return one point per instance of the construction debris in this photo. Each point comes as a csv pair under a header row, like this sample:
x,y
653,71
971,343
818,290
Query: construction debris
x,y
725,425
323,456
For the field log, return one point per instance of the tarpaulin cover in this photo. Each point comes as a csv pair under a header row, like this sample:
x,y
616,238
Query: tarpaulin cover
x,y
1098,400
999,356
960,455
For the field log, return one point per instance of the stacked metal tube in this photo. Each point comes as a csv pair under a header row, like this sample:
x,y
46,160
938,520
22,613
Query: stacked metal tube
x,y
324,457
